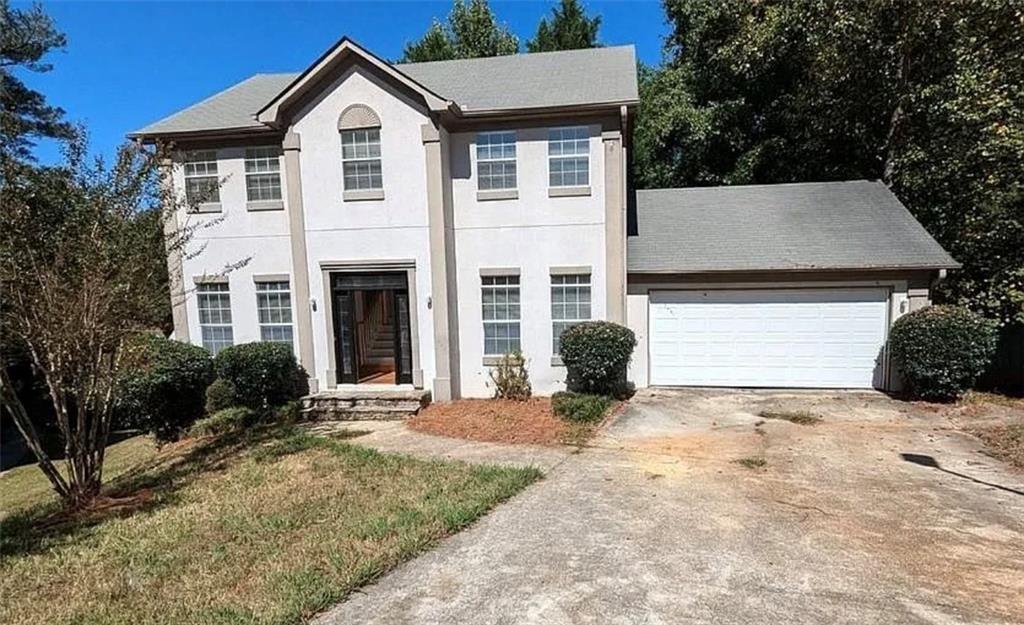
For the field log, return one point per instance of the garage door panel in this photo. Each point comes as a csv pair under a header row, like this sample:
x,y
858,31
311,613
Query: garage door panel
x,y
768,337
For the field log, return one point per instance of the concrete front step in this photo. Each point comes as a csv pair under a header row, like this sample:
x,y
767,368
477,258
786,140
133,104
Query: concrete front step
x,y
348,404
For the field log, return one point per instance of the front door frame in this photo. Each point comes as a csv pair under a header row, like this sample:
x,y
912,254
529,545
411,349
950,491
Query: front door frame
x,y
370,266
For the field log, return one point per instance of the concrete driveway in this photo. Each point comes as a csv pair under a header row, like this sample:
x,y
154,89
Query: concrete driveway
x,y
658,523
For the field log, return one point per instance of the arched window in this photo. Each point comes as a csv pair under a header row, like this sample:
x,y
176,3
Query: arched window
x,y
359,127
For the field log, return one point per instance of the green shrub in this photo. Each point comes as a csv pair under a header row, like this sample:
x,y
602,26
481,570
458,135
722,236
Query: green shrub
x,y
223,421
289,413
580,407
220,395
596,354
511,379
163,387
941,350
264,374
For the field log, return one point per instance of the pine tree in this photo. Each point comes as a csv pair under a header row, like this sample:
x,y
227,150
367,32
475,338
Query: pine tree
x,y
471,31
569,29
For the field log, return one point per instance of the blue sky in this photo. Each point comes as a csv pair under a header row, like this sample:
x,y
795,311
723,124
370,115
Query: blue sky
x,y
131,63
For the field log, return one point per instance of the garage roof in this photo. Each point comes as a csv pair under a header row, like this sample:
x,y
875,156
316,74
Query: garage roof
x,y
821,225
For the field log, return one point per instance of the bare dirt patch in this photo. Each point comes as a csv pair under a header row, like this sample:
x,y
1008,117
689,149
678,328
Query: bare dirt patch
x,y
530,422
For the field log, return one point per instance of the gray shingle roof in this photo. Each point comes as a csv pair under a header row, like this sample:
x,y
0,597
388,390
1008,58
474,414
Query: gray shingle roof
x,y
822,225
572,77
546,79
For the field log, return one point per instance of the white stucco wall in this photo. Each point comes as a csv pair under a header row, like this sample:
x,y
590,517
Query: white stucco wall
x,y
394,228
232,236
533,233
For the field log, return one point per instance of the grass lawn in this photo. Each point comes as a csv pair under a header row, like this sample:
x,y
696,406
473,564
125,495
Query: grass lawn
x,y
268,527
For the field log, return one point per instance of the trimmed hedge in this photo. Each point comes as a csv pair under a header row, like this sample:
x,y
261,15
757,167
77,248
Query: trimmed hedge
x,y
580,407
941,350
163,388
264,374
596,354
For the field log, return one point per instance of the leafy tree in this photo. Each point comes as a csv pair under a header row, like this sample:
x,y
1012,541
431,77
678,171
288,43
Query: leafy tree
x,y
78,283
471,31
569,29
927,96
26,36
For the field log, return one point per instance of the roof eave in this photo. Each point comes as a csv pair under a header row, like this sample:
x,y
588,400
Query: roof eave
x,y
546,109
208,133
799,269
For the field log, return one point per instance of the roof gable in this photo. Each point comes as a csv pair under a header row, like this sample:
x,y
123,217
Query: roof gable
x,y
342,52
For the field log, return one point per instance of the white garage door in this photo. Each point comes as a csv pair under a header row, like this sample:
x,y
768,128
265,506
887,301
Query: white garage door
x,y
811,338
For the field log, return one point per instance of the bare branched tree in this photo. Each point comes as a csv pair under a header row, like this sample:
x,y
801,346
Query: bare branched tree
x,y
81,272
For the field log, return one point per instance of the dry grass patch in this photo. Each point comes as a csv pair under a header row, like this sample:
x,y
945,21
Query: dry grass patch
x,y
800,417
752,462
1005,442
269,526
530,422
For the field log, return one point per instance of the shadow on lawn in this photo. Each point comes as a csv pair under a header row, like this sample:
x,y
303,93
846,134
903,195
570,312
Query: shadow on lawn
x,y
158,481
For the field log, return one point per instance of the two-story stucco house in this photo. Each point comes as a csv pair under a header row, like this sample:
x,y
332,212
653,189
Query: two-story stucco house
x,y
407,224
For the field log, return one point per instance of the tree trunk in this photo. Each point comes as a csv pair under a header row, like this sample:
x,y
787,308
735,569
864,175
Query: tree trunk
x,y
9,399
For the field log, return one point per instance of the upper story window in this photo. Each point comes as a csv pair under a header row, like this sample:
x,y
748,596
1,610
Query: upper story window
x,y
263,174
360,157
496,160
360,149
569,156
201,182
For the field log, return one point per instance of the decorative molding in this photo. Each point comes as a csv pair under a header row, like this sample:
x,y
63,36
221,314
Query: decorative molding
x,y
499,271
497,194
357,116
271,277
571,270
264,205
362,195
568,191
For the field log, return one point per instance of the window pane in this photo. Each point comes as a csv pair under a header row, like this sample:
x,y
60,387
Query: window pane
x,y
570,303
501,313
214,304
496,160
274,310
360,154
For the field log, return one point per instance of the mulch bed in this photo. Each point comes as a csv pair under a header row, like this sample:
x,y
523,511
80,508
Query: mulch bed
x,y
529,422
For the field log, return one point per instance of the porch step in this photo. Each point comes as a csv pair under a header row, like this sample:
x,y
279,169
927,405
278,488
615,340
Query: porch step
x,y
364,404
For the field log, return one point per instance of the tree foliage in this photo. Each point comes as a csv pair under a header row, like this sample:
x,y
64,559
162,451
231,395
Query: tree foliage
x,y
569,29
927,96
78,280
26,36
471,31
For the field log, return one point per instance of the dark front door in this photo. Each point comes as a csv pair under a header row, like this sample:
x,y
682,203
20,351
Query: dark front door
x,y
359,325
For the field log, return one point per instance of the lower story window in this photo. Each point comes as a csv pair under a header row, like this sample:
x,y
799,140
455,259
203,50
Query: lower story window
x,y
274,307
500,314
570,304
215,316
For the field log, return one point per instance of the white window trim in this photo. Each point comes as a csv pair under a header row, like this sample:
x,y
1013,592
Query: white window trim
x,y
200,292
497,193
492,358
261,290
569,190
275,155
366,193
192,157
578,319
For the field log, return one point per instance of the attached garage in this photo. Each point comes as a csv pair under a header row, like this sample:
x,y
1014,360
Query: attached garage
x,y
801,338
774,286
